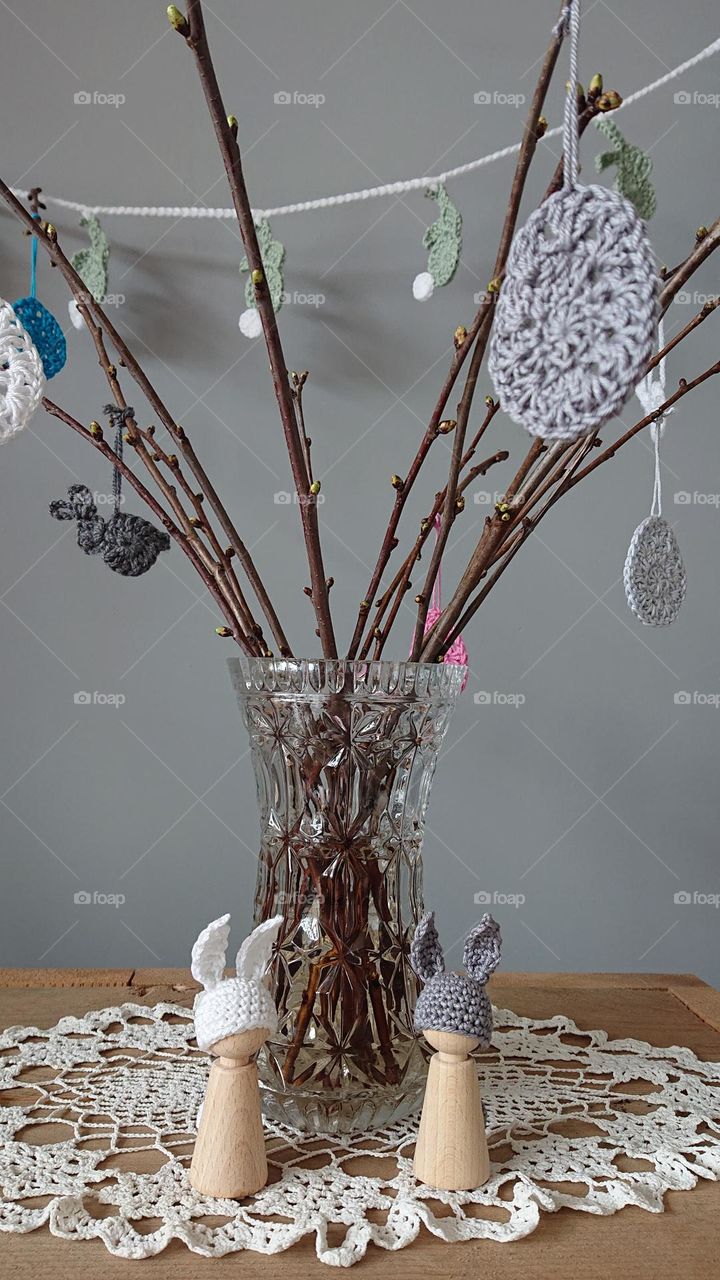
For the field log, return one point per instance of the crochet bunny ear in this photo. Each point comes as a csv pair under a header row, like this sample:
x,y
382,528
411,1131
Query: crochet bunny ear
x,y
426,955
255,953
208,953
481,955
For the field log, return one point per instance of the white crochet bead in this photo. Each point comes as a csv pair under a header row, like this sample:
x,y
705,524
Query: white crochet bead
x,y
654,573
75,315
250,323
576,314
22,379
423,286
233,1005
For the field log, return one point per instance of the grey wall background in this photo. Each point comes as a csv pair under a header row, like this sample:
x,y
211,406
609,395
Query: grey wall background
x,y
596,798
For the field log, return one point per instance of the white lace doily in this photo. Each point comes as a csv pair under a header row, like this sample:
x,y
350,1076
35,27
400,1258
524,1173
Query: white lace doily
x,y
620,1121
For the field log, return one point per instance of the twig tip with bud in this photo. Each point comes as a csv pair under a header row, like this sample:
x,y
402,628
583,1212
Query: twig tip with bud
x,y
177,20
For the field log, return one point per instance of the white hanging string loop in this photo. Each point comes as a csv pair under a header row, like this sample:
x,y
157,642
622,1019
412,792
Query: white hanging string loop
x,y
650,391
369,193
571,131
656,508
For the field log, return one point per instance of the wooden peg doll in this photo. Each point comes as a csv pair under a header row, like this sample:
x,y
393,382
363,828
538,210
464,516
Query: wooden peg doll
x,y
233,1018
455,1015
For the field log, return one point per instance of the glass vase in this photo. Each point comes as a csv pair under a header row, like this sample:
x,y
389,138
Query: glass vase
x,y
344,755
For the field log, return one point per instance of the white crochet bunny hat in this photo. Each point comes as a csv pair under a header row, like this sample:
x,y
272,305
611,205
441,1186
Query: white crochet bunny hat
x,y
229,1005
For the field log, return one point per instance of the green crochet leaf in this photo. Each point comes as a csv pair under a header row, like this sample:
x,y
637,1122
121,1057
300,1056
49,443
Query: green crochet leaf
x,y
633,169
443,238
92,264
272,253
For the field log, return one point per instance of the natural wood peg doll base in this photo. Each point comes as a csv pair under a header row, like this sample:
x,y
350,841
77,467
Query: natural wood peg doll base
x,y
451,1150
454,1014
233,1018
229,1159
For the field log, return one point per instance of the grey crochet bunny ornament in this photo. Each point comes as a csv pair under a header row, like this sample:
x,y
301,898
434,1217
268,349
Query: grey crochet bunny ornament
x,y
128,544
456,1001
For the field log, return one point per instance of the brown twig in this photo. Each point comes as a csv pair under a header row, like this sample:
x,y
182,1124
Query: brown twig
x,y
139,440
297,383
572,479
97,440
226,134
492,540
533,131
492,535
683,390
401,582
704,246
702,314
531,136
47,237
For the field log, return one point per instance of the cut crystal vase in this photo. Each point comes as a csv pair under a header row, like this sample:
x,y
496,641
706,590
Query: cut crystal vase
x,y
344,755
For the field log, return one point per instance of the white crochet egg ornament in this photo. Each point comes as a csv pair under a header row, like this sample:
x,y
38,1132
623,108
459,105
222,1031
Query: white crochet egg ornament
x,y
577,310
22,377
229,1005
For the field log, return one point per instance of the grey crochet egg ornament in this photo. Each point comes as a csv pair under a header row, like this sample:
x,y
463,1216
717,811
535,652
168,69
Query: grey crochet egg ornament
x,y
576,313
654,574
456,1002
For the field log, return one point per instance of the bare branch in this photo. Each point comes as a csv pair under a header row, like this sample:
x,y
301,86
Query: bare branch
x,y
226,134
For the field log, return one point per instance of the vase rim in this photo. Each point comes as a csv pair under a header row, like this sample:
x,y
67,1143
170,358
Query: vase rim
x,y
363,677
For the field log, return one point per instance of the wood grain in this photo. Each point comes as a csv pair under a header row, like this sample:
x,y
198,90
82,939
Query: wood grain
x,y
229,1158
451,1149
632,1245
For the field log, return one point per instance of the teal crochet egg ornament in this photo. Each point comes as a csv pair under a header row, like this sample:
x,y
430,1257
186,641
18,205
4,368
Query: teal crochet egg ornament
x,y
45,332
41,325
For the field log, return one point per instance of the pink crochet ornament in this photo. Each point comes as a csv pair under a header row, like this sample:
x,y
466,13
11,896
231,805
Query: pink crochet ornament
x,y
457,654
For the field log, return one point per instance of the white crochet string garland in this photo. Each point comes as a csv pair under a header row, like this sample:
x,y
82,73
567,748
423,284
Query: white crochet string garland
x,y
576,313
563,1106
654,573
385,190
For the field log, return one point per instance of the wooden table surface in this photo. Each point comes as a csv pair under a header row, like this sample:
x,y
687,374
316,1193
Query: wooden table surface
x,y
681,1244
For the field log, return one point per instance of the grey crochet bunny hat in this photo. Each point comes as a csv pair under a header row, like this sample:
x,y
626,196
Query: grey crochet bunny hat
x,y
455,1001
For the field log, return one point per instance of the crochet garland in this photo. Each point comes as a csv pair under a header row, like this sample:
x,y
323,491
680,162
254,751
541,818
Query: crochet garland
x,y
444,240
272,253
576,313
633,168
91,265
